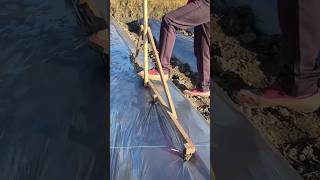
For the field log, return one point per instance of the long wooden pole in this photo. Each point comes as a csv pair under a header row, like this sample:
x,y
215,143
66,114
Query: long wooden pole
x,y
147,35
145,39
189,147
163,80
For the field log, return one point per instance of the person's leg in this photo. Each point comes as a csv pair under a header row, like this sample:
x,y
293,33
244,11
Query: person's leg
x,y
300,25
190,15
202,53
288,19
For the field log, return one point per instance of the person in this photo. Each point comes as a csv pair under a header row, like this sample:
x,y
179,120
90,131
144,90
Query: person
x,y
196,13
299,90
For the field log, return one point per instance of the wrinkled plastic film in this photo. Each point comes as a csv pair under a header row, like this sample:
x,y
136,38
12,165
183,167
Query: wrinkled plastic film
x,y
52,95
144,144
239,148
265,11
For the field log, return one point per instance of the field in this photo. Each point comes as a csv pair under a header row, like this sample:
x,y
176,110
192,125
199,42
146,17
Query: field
x,y
235,65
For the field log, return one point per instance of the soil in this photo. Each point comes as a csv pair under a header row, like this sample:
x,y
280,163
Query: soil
x,y
243,58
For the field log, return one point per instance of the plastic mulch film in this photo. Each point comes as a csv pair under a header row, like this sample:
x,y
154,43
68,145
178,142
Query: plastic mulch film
x,y
239,151
265,12
52,95
144,144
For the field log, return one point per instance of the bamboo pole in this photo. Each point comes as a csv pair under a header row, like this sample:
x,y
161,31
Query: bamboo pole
x,y
138,43
189,146
158,96
147,36
163,80
145,39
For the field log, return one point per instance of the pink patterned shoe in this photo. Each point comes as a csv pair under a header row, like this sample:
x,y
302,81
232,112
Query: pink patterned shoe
x,y
274,96
197,92
153,74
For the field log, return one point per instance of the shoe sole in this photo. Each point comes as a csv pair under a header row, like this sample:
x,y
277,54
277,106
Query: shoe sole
x,y
307,105
193,95
157,78
198,95
152,77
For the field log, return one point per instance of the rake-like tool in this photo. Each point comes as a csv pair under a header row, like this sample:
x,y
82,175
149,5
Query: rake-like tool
x,y
145,34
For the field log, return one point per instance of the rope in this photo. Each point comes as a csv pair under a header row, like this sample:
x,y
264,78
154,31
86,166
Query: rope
x,y
160,146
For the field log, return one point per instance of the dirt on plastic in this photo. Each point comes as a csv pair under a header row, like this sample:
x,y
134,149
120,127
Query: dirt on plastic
x,y
245,59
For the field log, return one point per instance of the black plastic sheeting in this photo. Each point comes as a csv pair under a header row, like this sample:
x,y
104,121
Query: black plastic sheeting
x,y
144,144
52,95
265,11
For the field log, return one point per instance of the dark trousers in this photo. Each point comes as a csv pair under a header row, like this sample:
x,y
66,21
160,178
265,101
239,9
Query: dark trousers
x,y
300,25
195,14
